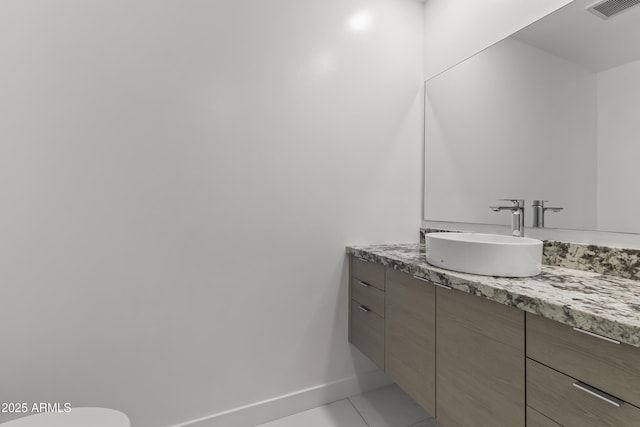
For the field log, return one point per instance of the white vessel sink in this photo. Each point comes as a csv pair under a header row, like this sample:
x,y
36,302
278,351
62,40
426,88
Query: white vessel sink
x,y
486,254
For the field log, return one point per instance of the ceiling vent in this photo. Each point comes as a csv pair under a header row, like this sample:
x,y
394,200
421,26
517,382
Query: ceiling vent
x,y
608,8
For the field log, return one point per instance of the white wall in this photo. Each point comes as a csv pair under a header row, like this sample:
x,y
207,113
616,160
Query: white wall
x,y
458,29
618,148
178,183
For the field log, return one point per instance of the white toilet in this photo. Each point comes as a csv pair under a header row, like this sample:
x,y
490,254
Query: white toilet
x,y
77,417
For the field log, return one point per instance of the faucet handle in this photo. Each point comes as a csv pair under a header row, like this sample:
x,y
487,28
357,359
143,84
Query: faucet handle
x,y
540,204
539,209
514,202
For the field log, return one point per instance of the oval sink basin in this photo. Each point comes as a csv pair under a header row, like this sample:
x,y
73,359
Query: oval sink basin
x,y
486,254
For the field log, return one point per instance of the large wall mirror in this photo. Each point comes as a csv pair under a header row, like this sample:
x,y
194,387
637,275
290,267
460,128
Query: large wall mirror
x,y
549,113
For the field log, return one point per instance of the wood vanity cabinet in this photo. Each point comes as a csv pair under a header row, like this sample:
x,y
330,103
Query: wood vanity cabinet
x,y
480,370
410,336
462,357
581,379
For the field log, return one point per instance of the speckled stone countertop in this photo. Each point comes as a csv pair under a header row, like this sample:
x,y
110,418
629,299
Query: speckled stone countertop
x,y
603,304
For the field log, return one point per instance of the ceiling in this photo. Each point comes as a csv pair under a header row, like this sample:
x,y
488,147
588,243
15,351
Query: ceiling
x,y
574,33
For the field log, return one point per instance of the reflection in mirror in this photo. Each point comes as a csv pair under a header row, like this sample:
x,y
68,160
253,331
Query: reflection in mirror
x,y
550,113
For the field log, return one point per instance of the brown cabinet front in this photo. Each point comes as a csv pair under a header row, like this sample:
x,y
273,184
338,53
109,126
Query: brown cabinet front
x,y
410,336
368,272
480,369
599,362
572,403
367,333
370,297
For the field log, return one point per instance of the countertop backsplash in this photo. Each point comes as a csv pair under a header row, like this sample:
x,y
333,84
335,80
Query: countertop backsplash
x,y
608,260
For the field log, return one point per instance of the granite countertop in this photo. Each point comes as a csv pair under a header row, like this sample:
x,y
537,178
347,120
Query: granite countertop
x,y
603,304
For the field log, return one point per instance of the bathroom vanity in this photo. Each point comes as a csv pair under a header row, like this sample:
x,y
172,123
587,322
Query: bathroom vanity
x,y
558,349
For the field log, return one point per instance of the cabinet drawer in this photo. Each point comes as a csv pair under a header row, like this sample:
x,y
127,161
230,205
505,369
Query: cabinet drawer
x,y
367,295
614,368
554,395
367,333
368,272
536,419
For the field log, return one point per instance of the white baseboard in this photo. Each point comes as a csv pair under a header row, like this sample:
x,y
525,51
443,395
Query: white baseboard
x,y
282,406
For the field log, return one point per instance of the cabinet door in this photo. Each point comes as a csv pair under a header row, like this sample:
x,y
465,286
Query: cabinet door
x,y
410,336
480,371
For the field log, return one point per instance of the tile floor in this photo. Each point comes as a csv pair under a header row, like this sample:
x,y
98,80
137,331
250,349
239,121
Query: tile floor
x,y
386,407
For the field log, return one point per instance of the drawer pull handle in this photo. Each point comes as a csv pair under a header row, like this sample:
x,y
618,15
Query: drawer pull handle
x,y
591,334
365,308
361,259
365,284
431,281
597,393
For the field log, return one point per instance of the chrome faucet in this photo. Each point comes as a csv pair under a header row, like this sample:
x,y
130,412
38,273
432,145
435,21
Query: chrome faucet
x,y
517,215
538,212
